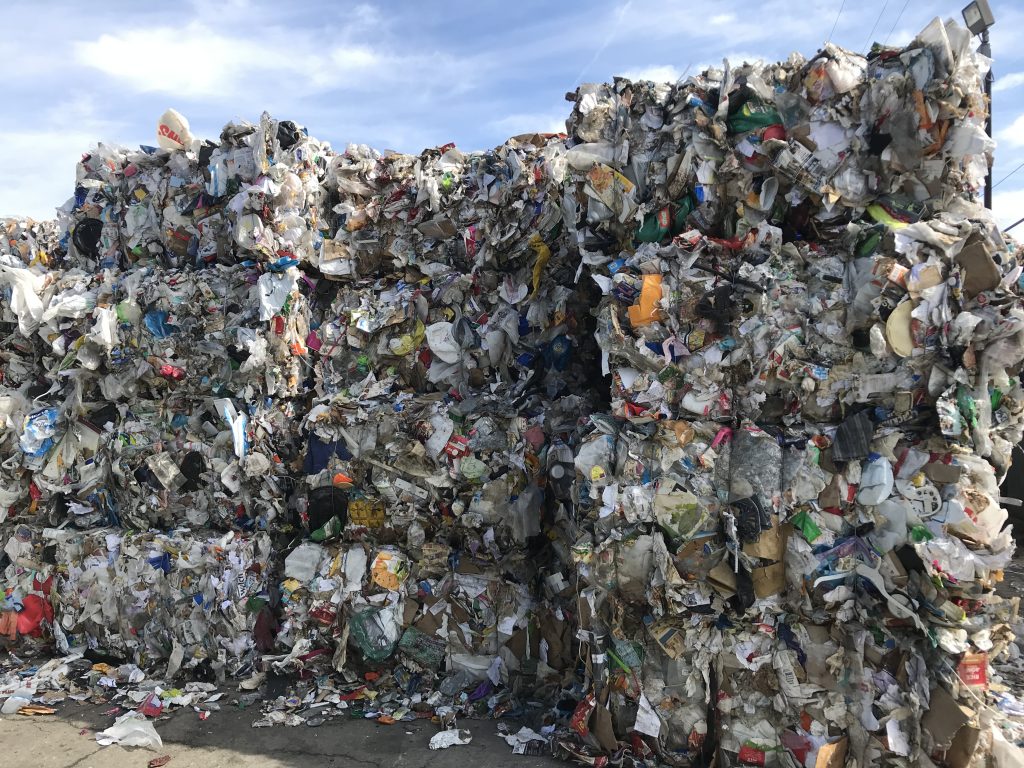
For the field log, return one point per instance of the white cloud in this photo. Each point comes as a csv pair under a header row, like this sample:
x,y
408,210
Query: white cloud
x,y
37,166
652,20
669,73
274,65
612,26
1008,207
659,73
529,122
737,58
1006,82
37,170
901,37
1013,134
195,61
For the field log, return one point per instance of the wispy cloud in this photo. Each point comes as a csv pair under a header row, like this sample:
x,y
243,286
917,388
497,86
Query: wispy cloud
x,y
530,122
1013,134
658,73
1006,82
197,62
31,154
1008,206
611,29
194,61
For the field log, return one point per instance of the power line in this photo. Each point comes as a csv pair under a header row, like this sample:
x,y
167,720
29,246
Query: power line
x,y
1008,175
881,13
898,17
836,22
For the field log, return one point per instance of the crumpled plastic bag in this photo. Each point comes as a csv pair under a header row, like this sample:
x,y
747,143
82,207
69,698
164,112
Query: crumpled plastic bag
x,y
25,302
451,738
523,736
173,131
13,704
130,730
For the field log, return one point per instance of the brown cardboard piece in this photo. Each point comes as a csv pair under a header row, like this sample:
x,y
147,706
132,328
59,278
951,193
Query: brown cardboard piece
x,y
802,133
943,474
670,636
873,654
962,749
832,755
825,462
945,717
771,545
601,727
891,567
429,623
525,642
690,556
980,271
556,634
557,585
465,566
927,277
829,497
440,228
412,607
539,140
770,580
722,578
692,560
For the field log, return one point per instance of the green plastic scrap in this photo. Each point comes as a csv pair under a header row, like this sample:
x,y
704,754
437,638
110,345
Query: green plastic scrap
x,y
422,649
968,408
369,636
804,523
665,222
329,530
628,655
996,398
919,534
751,116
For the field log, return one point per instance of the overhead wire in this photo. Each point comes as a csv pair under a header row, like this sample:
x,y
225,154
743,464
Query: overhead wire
x,y
1008,175
867,43
898,17
836,22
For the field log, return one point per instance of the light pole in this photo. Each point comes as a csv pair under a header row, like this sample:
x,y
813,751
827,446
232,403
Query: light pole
x,y
978,18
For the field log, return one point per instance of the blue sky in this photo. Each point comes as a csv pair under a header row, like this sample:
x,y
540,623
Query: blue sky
x,y
402,75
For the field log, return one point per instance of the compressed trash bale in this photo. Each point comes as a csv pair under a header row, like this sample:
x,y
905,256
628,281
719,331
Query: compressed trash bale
x,y
185,598
780,310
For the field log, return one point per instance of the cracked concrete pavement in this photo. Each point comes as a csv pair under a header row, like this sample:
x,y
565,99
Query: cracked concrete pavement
x,y
228,740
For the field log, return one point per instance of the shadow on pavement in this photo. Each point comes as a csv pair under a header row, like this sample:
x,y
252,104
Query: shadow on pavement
x,y
338,742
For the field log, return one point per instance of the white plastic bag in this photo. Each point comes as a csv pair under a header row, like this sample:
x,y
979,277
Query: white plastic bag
x,y
15,703
451,738
26,285
172,131
441,339
876,482
131,729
